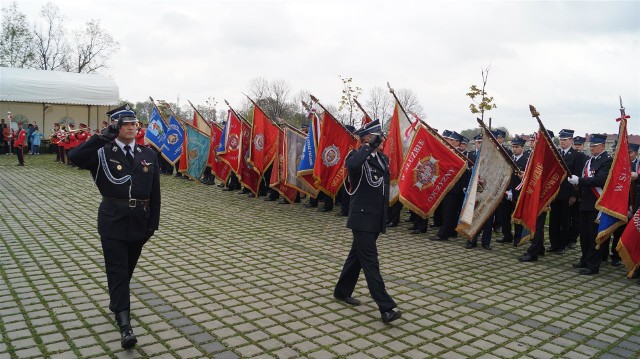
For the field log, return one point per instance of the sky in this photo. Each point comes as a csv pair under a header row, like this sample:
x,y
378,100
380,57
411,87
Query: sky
x,y
571,60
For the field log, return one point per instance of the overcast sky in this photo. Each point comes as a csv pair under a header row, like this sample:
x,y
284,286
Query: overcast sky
x,y
569,59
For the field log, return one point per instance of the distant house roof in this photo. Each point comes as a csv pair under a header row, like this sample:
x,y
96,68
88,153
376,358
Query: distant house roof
x,y
27,85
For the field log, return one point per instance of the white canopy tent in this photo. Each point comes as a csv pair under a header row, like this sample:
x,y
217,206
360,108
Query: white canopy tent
x,y
56,87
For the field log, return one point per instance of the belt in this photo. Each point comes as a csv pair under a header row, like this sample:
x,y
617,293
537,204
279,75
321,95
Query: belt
x,y
131,202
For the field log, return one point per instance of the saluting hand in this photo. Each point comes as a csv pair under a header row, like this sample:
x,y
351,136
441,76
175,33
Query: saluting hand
x,y
111,132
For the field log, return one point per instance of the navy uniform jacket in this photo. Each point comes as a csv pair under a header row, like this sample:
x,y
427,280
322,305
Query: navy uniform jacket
x,y
599,169
574,161
116,220
370,202
515,179
635,188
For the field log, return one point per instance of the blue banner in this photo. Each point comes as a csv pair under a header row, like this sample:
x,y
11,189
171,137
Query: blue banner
x,y
172,146
157,131
198,149
308,153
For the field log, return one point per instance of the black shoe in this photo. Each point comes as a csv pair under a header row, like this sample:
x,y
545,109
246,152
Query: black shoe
x,y
322,209
437,238
528,258
390,316
470,245
340,214
243,191
227,189
391,224
127,339
559,251
504,240
553,250
408,220
417,231
269,199
283,201
579,265
220,184
349,300
571,245
615,262
486,246
413,228
308,205
587,271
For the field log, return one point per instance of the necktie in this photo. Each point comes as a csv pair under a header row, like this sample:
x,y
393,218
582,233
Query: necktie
x,y
127,151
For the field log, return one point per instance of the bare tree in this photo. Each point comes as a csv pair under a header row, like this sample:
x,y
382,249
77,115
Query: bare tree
x,y
409,101
91,49
302,95
379,105
258,88
50,44
280,91
16,41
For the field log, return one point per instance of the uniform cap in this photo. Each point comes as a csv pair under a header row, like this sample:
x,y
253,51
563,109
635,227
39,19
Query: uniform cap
x,y
634,147
498,133
578,140
518,141
564,134
369,128
597,138
125,112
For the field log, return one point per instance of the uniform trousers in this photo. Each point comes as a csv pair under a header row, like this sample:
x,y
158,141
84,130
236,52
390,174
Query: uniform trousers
x,y
559,223
506,211
591,257
450,208
536,247
20,154
120,259
364,255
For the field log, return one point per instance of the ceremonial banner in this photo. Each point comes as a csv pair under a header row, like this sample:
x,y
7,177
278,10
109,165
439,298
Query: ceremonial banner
x,y
335,143
183,165
540,184
197,152
172,146
398,141
232,139
200,123
613,203
222,143
294,151
629,244
278,175
264,141
429,171
489,180
308,159
248,176
218,167
157,130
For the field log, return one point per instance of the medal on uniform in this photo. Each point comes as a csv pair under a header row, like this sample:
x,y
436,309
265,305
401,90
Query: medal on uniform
x,y
145,169
119,167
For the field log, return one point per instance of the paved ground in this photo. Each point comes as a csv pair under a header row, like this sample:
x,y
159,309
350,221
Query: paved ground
x,y
227,276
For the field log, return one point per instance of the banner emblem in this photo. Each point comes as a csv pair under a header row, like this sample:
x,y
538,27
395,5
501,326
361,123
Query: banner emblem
x,y
426,172
331,155
258,142
233,142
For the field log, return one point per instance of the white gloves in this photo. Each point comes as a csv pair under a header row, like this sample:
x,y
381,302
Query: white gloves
x,y
573,180
509,195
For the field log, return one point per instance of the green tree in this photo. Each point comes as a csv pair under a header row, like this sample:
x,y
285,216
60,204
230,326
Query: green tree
x,y
16,41
348,107
481,100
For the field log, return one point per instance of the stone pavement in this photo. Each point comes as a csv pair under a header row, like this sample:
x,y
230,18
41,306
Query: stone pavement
x,y
228,276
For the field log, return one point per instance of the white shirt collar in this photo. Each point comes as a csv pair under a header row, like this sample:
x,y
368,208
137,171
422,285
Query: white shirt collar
x,y
122,144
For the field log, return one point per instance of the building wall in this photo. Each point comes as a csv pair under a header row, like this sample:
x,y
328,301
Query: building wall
x,y
35,113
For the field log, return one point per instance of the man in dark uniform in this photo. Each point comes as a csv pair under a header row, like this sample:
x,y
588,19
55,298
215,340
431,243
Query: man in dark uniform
x,y
593,177
127,177
512,193
574,211
567,195
369,175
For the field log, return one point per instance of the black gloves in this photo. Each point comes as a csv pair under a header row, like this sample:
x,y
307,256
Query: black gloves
x,y
111,132
375,141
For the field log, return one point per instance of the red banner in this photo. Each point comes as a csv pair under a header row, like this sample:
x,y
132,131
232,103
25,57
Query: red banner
x,y
429,171
248,176
540,184
614,200
264,141
393,146
183,164
335,143
219,168
233,137
629,244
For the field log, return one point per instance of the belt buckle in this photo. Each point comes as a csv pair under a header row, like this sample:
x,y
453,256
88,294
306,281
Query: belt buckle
x,y
132,202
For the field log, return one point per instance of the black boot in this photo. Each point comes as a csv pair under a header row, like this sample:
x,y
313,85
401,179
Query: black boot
x,y
127,340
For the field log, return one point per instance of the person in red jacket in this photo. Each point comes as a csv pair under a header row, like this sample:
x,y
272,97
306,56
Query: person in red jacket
x,y
19,141
140,136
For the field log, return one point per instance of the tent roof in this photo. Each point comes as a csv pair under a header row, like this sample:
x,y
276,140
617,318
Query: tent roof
x,y
27,85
